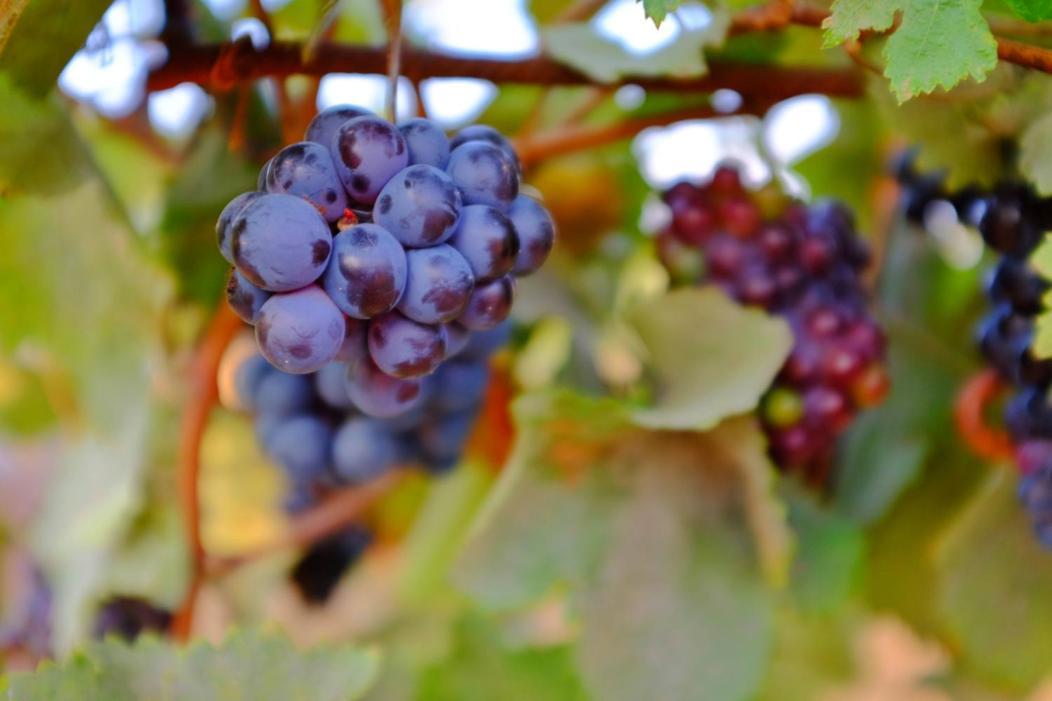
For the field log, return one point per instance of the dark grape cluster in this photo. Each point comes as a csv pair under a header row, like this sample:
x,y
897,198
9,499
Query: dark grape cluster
x,y
128,617
802,263
384,247
1012,220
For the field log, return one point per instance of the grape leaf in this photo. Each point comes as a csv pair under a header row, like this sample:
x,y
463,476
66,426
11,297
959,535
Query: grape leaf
x,y
579,45
829,554
657,10
39,148
993,594
247,665
677,579
812,657
44,39
716,366
1031,10
938,43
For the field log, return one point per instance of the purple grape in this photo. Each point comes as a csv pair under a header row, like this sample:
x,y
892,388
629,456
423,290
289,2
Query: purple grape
x,y
127,617
281,394
280,243
404,348
302,445
322,129
484,174
419,206
306,170
457,338
244,298
261,179
438,285
536,233
364,449
368,271
483,344
354,346
427,143
457,386
248,378
489,305
368,152
380,395
487,240
482,132
331,387
226,218
442,439
299,332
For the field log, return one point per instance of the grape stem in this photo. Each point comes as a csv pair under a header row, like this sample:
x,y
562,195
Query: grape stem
x,y
202,396
392,12
332,515
985,441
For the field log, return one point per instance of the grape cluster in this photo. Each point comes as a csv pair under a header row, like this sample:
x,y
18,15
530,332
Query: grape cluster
x,y
128,617
802,263
1012,220
383,247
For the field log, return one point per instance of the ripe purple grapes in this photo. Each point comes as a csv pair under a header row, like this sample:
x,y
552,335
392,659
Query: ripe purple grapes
x,y
404,348
280,242
306,170
427,143
484,173
438,285
536,233
488,241
367,273
420,206
299,332
368,152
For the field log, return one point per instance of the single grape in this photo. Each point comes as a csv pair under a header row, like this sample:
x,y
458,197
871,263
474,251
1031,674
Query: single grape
x,y
368,152
1028,415
536,233
1004,226
438,285
299,332
243,297
442,439
739,216
331,386
281,394
487,240
322,129
489,305
457,338
354,346
782,407
127,617
420,206
482,132
226,218
302,445
483,344
378,394
248,377
321,568
825,408
404,348
427,143
306,170
364,449
1014,282
367,273
457,386
484,174
280,242
261,179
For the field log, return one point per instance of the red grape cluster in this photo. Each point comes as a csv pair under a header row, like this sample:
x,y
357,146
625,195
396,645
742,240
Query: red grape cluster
x,y
1012,220
800,262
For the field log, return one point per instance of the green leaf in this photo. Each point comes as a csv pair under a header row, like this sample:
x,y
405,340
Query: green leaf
x,y
1032,10
995,581
711,358
678,579
938,43
46,36
657,10
247,665
39,148
579,45
484,666
829,555
812,657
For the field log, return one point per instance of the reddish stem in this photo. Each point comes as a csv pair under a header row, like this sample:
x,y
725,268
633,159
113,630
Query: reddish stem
x,y
988,442
202,396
